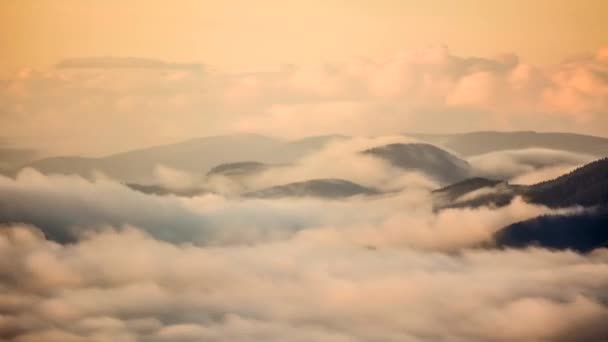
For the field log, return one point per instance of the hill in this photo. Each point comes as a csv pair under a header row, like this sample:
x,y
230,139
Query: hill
x,y
322,188
428,159
196,155
586,186
153,189
475,143
582,232
456,190
238,168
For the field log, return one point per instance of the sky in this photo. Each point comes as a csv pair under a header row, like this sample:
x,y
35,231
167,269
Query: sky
x,y
239,33
295,68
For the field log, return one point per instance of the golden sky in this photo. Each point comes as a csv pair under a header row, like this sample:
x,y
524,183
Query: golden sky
x,y
232,33
427,66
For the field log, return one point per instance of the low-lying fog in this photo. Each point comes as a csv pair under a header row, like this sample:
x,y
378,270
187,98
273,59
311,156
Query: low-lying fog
x,y
94,260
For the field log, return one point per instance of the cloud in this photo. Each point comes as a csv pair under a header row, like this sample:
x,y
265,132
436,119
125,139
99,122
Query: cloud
x,y
504,93
174,179
66,207
122,63
343,159
543,174
93,260
127,286
340,158
104,105
527,165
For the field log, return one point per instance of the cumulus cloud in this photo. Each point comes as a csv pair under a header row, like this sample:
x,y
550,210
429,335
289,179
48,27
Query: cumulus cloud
x,y
111,104
127,286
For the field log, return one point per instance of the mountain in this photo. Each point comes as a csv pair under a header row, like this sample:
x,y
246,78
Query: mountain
x,y
196,155
238,168
153,189
322,188
307,145
10,157
474,192
428,159
475,143
586,186
581,232
456,190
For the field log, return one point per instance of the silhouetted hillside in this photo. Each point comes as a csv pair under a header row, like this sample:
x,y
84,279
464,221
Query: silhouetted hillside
x,y
238,168
475,192
428,159
162,191
323,188
453,191
586,186
196,155
580,232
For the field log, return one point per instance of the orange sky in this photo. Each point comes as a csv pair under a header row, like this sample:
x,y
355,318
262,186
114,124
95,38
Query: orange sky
x,y
232,33
415,74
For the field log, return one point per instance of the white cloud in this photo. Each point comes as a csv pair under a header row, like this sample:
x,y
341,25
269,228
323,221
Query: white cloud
x,y
101,110
527,165
128,286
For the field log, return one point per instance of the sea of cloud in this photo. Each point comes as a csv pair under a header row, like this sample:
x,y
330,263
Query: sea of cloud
x,y
93,260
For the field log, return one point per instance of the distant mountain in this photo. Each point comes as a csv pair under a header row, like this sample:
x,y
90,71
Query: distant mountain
x,y
428,159
238,168
307,145
10,157
586,186
581,232
475,143
322,188
196,155
152,189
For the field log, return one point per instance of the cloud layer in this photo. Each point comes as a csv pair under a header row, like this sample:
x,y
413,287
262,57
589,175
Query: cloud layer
x,y
126,286
527,166
109,104
92,260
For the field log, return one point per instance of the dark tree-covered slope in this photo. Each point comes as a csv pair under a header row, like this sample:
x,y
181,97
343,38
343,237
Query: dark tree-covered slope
x,y
581,232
